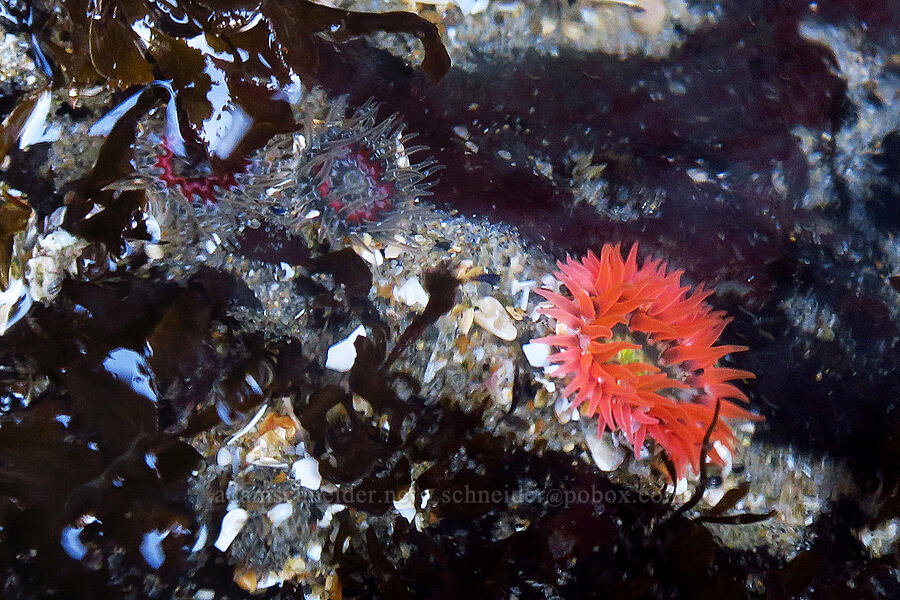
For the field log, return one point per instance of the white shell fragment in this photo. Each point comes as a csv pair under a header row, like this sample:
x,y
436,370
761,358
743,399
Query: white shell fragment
x,y
151,547
14,304
565,411
411,293
269,580
54,256
524,289
71,542
550,386
680,487
466,318
726,456
713,495
223,457
246,428
306,470
537,354
651,17
406,505
361,405
342,355
314,552
468,7
369,253
492,317
232,523
280,513
392,251
132,369
332,510
607,455
200,543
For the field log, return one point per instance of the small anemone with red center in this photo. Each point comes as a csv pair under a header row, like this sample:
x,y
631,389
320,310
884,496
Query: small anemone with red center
x,y
194,179
355,171
186,197
638,350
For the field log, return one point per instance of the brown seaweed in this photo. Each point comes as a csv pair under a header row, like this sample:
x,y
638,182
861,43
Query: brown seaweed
x,y
85,470
441,287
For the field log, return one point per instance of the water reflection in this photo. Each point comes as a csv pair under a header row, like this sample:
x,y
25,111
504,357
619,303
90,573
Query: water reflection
x,y
132,369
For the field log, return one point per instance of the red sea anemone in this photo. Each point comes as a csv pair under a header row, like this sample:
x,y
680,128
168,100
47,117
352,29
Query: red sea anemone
x,y
638,347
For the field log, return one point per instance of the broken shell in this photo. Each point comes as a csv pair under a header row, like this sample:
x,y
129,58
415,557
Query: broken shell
x,y
433,367
392,251
726,456
713,495
492,317
679,488
232,523
268,580
249,426
282,425
607,455
517,286
332,510
564,410
223,457
406,505
537,354
54,257
314,552
342,355
306,470
269,447
370,254
515,312
549,386
411,293
280,513
361,405
465,320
